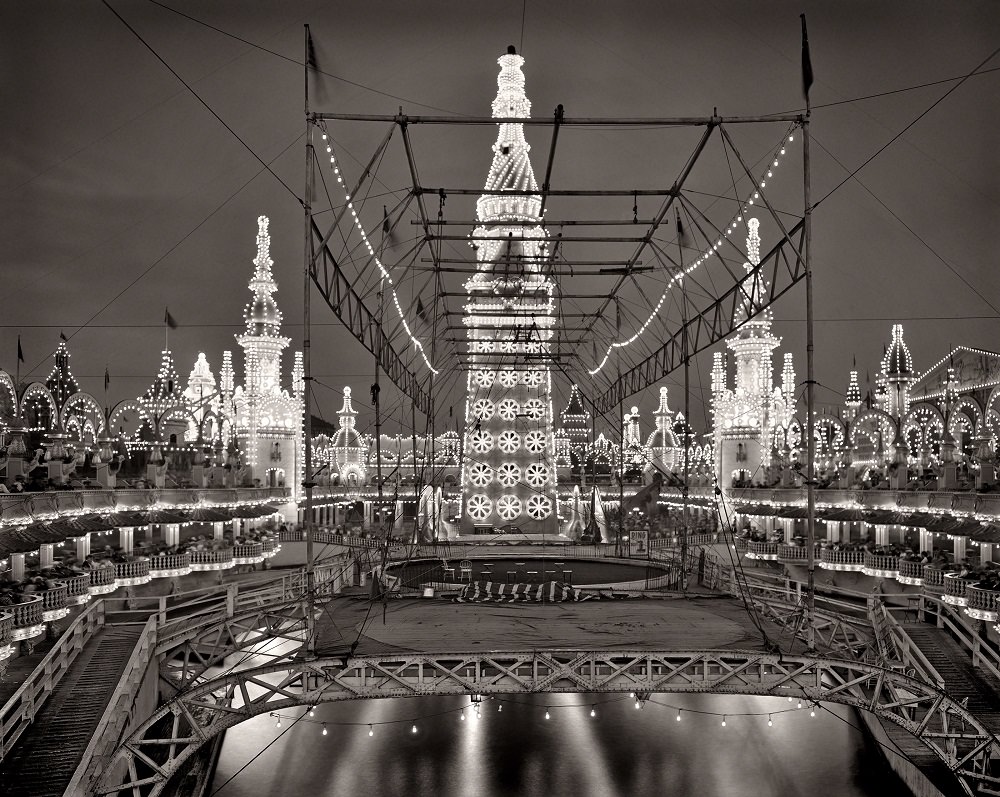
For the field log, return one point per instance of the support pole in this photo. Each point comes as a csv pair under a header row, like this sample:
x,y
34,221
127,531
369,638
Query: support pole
x,y
687,406
306,364
621,474
810,384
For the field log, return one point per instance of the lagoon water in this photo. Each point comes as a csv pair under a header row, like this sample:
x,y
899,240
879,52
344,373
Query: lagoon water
x,y
621,751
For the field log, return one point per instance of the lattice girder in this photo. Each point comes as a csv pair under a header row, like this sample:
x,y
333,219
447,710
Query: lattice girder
x,y
144,763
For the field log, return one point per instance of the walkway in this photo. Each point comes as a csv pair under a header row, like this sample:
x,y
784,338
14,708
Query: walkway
x,y
47,755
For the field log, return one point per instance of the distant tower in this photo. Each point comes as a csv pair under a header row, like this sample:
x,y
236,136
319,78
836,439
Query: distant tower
x,y
267,419
852,401
200,394
897,374
509,457
348,448
665,446
61,382
746,416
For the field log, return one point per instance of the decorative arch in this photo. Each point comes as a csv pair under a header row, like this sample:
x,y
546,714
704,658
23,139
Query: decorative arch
x,y
32,416
88,406
960,409
872,424
923,428
130,405
831,436
8,396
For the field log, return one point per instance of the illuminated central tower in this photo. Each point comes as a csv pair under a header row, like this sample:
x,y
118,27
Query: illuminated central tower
x,y
508,465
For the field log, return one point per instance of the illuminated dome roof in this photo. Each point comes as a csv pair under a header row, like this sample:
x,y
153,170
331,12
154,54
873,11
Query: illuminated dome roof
x,y
263,316
897,362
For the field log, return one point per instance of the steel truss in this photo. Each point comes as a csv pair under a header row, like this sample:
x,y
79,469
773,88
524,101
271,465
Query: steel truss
x,y
160,746
705,312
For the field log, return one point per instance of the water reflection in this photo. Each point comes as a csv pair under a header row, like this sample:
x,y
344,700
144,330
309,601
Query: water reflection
x,y
517,751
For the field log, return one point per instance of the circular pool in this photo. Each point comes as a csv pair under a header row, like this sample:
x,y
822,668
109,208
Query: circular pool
x,y
523,569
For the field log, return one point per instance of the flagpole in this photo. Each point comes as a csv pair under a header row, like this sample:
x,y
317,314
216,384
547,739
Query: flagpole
x,y
687,407
810,421
307,365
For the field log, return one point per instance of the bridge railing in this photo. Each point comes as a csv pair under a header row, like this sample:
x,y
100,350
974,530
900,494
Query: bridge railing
x,y
20,710
895,644
950,617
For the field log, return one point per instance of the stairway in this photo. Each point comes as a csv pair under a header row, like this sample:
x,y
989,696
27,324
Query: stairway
x,y
962,680
46,756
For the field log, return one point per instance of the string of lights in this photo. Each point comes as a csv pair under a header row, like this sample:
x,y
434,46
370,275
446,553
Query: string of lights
x,y
334,164
678,278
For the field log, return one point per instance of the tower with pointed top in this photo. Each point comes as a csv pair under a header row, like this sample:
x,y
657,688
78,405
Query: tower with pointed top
x,y
896,375
61,382
266,418
201,396
748,416
509,457
852,400
664,444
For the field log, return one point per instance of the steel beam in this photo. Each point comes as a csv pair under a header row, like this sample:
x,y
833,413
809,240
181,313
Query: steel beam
x,y
338,291
778,270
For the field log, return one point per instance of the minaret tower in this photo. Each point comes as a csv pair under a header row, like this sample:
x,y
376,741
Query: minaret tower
x,y
852,402
262,344
268,421
747,415
509,465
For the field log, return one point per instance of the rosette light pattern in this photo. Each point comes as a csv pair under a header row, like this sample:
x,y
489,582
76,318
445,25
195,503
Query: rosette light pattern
x,y
508,506
539,507
480,506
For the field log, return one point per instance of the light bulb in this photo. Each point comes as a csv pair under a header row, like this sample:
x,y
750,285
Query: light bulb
x,y
278,723
769,722
723,720
312,711
546,713
812,712
413,729
678,715
462,716
593,712
638,704
499,706
799,704
324,729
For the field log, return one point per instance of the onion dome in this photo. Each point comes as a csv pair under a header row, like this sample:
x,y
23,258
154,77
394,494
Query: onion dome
x,y
347,435
897,364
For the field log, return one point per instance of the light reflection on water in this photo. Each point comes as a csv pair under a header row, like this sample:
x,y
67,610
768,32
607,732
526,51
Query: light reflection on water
x,y
517,752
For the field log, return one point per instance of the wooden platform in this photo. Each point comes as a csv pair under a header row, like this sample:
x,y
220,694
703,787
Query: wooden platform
x,y
423,625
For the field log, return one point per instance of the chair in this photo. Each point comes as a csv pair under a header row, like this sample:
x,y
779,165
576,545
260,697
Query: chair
x,y
465,570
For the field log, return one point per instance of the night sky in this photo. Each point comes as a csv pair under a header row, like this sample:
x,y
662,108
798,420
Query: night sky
x,y
122,194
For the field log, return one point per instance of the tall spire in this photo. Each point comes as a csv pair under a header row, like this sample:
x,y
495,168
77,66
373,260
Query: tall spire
x,y
262,315
510,171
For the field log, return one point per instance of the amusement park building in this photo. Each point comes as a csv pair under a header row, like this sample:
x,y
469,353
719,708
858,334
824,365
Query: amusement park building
x,y
209,433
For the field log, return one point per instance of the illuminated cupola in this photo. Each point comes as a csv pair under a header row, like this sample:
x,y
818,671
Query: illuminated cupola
x,y
61,382
576,422
664,444
751,416
897,374
348,446
262,343
201,380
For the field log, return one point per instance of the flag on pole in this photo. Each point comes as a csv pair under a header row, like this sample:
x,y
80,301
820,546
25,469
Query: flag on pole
x,y
807,69
310,50
682,237
386,227
169,319
107,377
62,337
20,353
421,310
